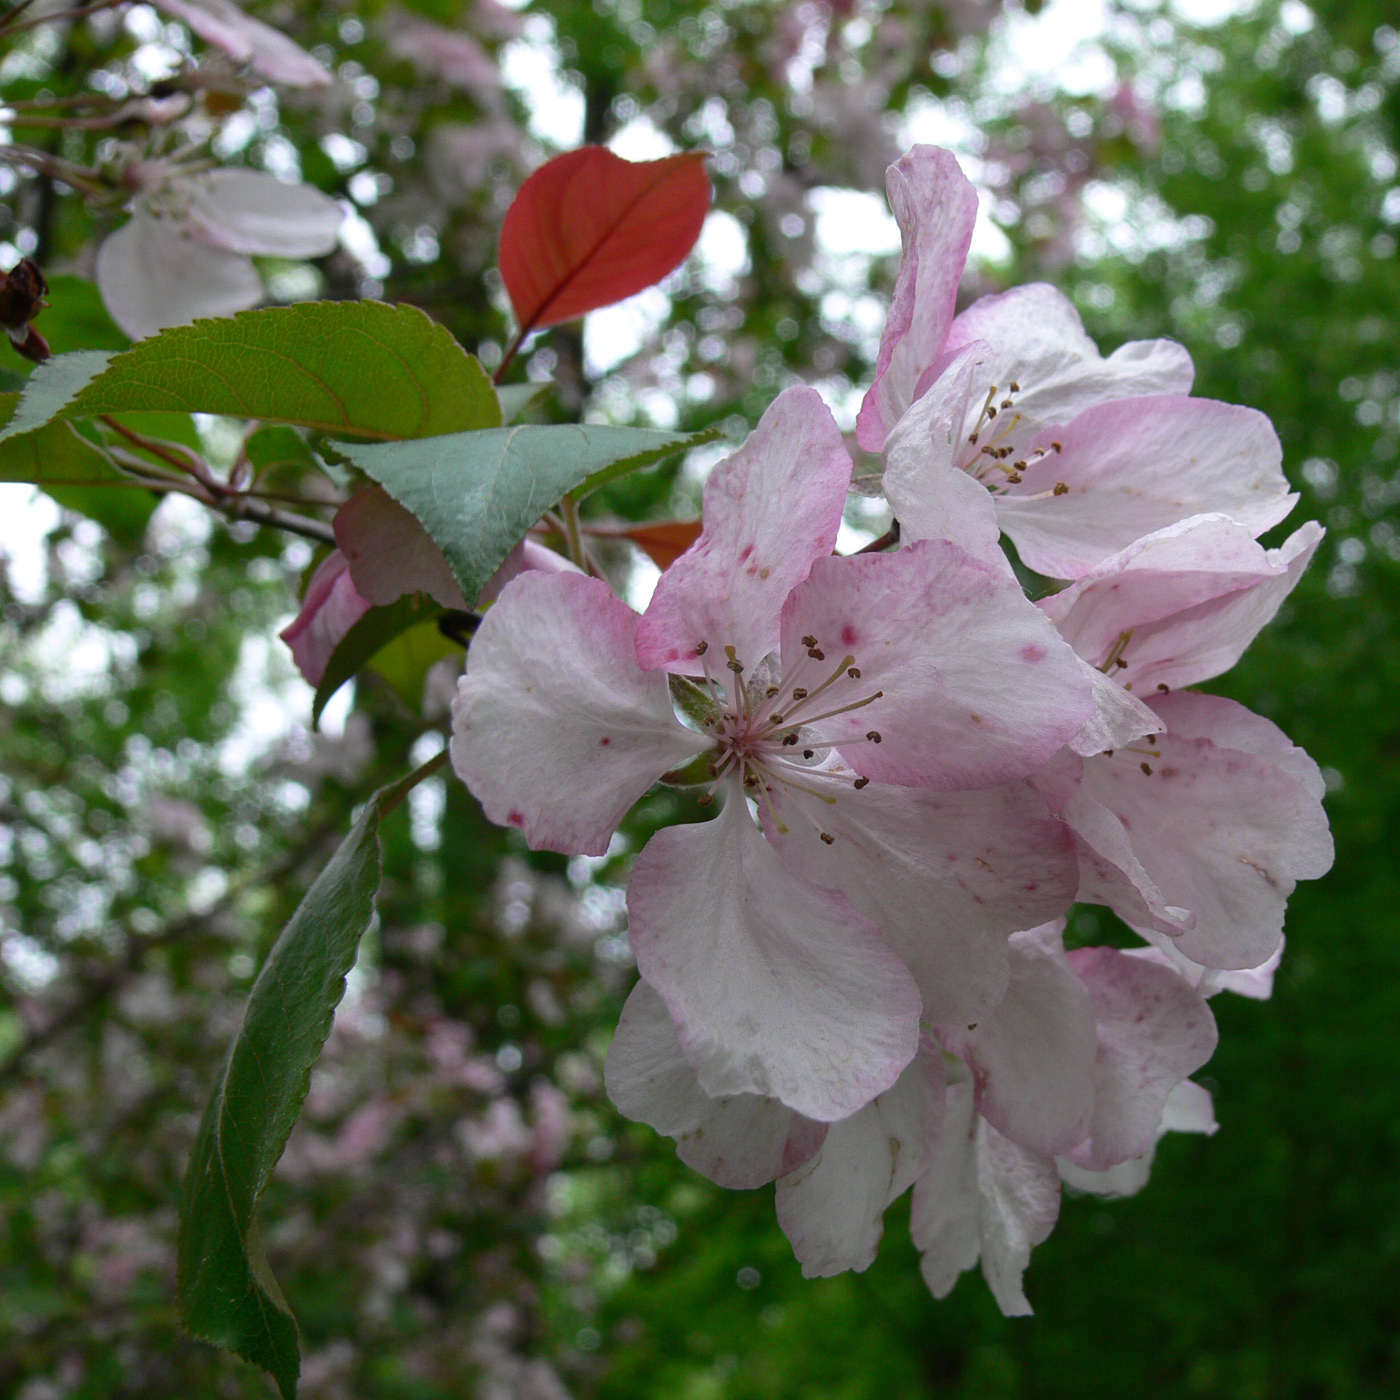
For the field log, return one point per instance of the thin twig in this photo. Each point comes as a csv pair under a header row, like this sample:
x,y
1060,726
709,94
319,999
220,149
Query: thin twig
x,y
8,29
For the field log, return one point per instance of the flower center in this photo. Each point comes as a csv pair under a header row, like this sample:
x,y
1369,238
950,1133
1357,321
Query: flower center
x,y
762,728
985,450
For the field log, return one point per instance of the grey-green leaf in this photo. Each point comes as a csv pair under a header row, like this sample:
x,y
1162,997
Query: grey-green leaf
x,y
226,1291
478,493
362,368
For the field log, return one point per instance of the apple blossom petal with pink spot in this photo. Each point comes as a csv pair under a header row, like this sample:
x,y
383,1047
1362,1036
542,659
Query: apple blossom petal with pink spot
x,y
740,1142
1133,466
1181,604
1032,1057
832,1208
982,1196
777,987
1218,831
390,553
1154,1029
555,728
947,876
770,509
249,211
153,275
935,206
975,688
329,610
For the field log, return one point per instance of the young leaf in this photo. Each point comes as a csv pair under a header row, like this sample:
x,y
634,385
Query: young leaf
x,y
589,228
226,1291
477,494
664,541
359,367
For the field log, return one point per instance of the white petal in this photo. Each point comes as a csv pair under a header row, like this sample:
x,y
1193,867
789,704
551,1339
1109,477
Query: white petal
x,y
152,275
832,1208
1032,1057
247,40
248,211
740,1142
947,876
555,728
1119,718
777,987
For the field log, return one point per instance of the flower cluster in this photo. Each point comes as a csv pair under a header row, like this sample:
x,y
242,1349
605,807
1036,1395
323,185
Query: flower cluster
x,y
854,979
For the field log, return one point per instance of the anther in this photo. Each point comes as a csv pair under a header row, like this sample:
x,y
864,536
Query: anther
x,y
1014,478
775,719
1006,403
1060,489
1019,466
799,694
853,672
1146,768
705,799
827,837
1056,447
1015,387
701,648
807,753
860,783
736,666
790,741
771,692
809,640
1163,688
1118,661
873,735
750,780
816,653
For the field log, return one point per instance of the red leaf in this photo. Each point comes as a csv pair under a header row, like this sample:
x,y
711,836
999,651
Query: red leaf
x,y
664,541
589,228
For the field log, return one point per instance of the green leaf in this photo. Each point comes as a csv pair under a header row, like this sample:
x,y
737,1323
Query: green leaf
x,y
375,630
57,458
359,367
516,398
404,663
478,493
226,1291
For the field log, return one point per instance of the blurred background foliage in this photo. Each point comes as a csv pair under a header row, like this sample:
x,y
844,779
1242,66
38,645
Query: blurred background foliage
x,y
461,1211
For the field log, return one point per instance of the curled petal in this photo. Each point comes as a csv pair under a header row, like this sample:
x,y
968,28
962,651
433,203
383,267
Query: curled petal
x,y
974,688
832,1208
936,207
152,275
982,1196
390,553
1154,1029
330,609
741,1141
1119,717
555,728
1180,605
770,510
1126,468
777,987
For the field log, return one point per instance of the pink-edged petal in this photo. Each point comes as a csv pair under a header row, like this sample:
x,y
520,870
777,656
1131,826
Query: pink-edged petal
x,y
975,687
932,498
1227,723
329,610
1119,717
947,876
153,275
1256,983
1154,1029
935,206
1032,1058
1218,831
1035,342
982,1196
1180,605
1188,1110
390,553
740,1142
770,510
247,40
777,987
555,728
832,1208
249,211
1133,466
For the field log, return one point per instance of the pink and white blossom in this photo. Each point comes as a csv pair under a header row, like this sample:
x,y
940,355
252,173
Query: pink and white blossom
x,y
187,251
829,687
267,51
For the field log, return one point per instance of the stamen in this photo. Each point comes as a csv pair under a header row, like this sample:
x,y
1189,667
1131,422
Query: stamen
x,y
809,640
844,709
701,648
827,837
860,783
1115,652
873,735
801,696
1146,768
